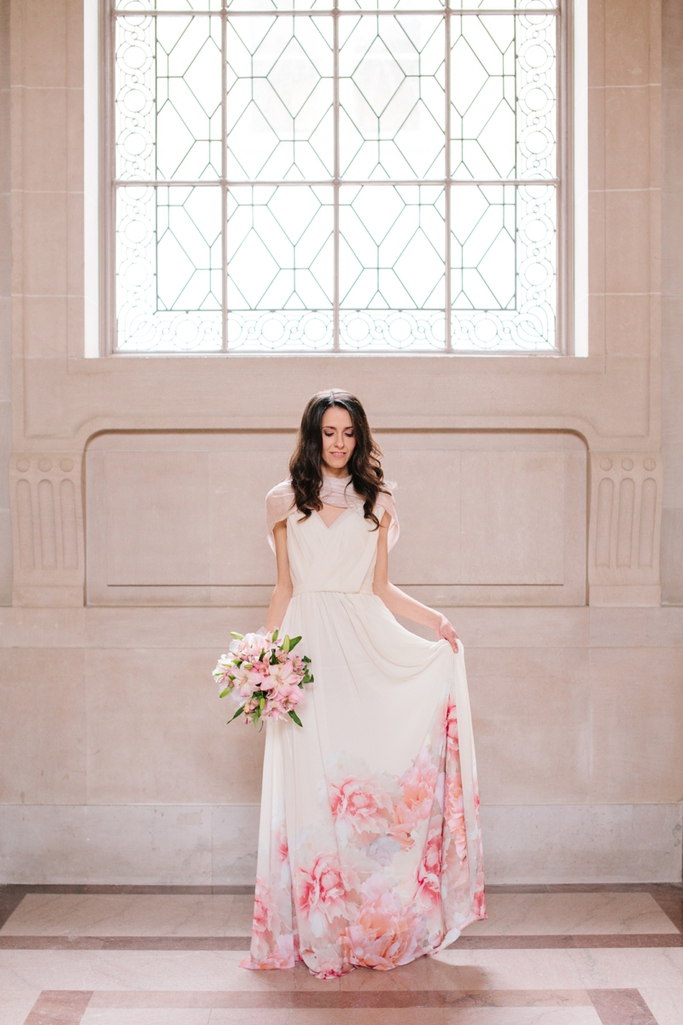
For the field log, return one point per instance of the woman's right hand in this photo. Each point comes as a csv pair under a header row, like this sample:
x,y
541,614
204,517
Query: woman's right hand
x,y
445,631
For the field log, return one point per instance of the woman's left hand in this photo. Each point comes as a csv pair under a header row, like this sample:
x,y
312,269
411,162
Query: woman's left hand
x,y
445,631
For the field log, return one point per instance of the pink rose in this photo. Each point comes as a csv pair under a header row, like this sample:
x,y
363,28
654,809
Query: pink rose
x,y
453,743
321,896
386,933
361,808
418,788
282,955
282,846
429,869
265,914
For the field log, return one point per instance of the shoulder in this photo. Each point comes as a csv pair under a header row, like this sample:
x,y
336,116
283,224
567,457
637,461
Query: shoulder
x,y
385,499
279,503
281,492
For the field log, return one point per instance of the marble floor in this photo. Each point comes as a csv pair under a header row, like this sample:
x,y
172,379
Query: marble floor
x,y
547,955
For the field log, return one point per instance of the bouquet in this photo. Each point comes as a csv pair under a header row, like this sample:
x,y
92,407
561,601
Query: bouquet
x,y
261,673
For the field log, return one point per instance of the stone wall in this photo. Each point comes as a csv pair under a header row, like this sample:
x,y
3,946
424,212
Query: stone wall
x,y
530,494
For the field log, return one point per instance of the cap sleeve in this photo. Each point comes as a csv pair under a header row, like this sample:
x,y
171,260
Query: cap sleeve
x,y
385,503
279,504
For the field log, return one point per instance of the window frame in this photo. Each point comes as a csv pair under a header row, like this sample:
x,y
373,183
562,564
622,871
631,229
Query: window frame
x,y
565,291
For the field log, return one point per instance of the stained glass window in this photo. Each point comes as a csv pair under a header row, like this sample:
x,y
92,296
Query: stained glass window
x,y
381,175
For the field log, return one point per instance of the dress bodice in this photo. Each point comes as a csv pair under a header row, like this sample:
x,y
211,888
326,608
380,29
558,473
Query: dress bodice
x,y
340,557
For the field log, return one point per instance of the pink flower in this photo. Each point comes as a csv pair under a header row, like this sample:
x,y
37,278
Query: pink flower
x,y
361,808
454,811
418,787
429,869
282,955
452,741
320,895
386,933
266,918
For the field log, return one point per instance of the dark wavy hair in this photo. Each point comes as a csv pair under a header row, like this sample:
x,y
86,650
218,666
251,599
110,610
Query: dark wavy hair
x,y
305,466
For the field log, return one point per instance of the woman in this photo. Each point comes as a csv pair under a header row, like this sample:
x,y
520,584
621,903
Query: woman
x,y
369,848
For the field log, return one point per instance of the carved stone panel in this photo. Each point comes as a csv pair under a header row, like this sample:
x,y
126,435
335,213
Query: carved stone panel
x,y
47,519
626,512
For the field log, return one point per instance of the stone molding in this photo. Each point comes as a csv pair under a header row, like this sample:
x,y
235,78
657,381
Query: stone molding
x,y
47,518
625,527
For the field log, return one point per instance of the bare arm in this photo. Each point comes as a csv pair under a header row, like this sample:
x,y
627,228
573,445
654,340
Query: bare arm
x,y
400,603
282,592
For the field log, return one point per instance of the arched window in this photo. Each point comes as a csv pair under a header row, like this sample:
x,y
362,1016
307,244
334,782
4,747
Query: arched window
x,y
290,176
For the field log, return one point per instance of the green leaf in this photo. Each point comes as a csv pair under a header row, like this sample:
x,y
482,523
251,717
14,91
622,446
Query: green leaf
x,y
293,641
238,637
295,717
305,658
238,712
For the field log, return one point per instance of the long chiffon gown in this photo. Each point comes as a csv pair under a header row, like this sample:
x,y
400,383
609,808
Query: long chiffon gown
x,y
369,846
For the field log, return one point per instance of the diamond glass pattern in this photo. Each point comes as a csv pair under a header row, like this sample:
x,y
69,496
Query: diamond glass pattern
x,y
169,274
391,263
377,177
279,98
503,101
391,94
503,268
280,267
168,98
168,5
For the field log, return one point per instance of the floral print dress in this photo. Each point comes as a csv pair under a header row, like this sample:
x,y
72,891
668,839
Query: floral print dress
x,y
369,846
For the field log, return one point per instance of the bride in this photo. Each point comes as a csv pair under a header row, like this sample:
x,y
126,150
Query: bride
x,y
369,847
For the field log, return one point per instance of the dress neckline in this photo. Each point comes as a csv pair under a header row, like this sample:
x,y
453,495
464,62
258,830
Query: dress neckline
x,y
339,491
330,526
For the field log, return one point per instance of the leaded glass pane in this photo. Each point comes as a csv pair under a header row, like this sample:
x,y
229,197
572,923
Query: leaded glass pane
x,y
503,267
503,83
168,98
279,98
391,265
502,5
278,5
372,180
168,5
280,260
391,93
169,269
391,5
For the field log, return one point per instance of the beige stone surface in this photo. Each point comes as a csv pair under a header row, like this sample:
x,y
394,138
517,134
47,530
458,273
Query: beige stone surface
x,y
157,731
531,710
627,141
43,726
115,706
637,718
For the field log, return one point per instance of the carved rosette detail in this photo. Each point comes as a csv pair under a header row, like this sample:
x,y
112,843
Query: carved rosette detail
x,y
47,517
625,523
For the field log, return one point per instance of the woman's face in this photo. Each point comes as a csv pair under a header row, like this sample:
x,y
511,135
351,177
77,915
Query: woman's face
x,y
338,439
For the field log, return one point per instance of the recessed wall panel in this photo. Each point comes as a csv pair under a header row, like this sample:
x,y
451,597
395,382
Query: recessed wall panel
x,y
486,517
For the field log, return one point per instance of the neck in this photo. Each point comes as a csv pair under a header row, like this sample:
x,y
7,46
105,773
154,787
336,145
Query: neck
x,y
329,471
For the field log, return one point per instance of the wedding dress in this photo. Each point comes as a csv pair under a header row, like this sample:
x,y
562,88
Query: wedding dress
x,y
369,845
